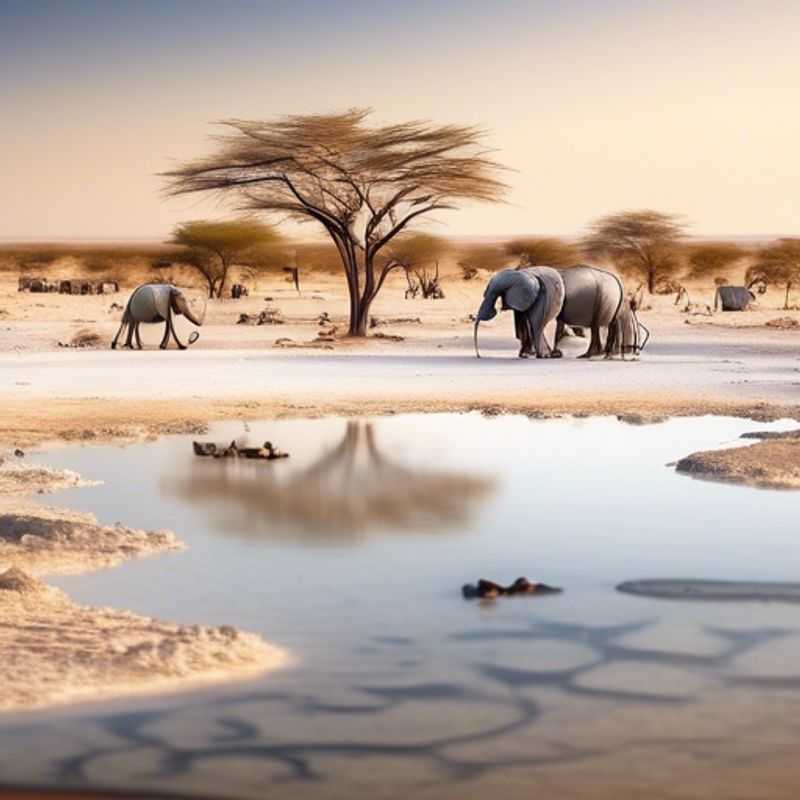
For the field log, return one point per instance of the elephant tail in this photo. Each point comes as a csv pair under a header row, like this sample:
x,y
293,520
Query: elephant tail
x,y
475,336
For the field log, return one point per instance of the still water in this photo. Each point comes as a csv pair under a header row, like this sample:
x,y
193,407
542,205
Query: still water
x,y
351,555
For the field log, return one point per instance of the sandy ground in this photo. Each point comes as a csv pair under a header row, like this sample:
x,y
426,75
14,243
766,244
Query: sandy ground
x,y
729,363
55,651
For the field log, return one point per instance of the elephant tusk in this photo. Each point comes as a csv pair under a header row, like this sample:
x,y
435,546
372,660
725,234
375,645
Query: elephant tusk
x,y
477,352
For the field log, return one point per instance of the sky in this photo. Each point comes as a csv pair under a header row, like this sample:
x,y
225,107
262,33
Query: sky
x,y
686,106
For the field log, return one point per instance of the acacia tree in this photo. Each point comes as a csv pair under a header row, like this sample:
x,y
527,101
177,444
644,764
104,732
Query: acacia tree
x,y
363,184
713,259
214,247
643,243
778,264
542,251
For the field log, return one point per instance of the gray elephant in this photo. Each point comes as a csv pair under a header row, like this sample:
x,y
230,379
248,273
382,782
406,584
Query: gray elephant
x,y
536,295
156,302
733,298
593,299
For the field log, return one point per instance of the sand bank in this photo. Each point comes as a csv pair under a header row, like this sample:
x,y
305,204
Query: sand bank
x,y
773,463
55,651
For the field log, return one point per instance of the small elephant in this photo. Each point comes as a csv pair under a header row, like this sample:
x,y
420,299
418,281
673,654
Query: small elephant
x,y
536,295
733,298
156,302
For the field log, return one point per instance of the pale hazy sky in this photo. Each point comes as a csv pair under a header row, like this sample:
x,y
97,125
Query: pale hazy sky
x,y
688,106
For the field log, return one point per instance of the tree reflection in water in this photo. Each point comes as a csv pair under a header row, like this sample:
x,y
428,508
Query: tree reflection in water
x,y
351,490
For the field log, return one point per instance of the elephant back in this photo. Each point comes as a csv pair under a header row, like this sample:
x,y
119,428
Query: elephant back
x,y
150,302
593,296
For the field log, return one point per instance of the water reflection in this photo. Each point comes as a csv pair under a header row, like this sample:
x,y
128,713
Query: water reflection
x,y
351,490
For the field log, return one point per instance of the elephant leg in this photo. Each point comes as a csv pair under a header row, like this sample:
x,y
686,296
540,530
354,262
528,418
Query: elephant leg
x,y
167,332
536,324
120,331
559,331
181,345
136,336
129,337
595,347
522,331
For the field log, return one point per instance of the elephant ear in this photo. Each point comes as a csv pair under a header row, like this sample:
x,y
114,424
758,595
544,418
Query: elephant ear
x,y
177,301
522,292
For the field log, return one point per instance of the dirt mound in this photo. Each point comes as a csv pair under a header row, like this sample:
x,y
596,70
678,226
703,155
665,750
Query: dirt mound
x,y
20,478
83,338
784,323
57,651
772,463
47,540
15,580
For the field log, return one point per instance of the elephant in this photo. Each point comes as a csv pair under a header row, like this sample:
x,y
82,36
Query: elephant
x,y
156,302
536,295
733,298
593,299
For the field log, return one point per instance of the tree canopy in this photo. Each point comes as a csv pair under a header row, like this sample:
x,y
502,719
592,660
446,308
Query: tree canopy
x,y
364,184
543,251
472,257
641,243
213,247
713,259
414,250
779,265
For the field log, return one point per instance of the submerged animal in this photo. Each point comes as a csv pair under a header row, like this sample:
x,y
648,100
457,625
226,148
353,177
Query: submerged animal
x,y
267,452
733,298
490,589
535,295
151,303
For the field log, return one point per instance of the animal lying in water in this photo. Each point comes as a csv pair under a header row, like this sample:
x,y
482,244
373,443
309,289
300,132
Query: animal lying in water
x,y
486,588
266,453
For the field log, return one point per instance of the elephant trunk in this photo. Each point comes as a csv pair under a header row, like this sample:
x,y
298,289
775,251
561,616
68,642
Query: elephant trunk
x,y
193,318
477,352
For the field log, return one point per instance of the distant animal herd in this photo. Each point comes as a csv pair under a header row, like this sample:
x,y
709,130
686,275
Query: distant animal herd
x,y
68,286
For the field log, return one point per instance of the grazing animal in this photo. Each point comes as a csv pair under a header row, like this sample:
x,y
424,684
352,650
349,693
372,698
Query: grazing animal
x,y
535,295
151,303
695,309
267,452
627,336
490,589
733,298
